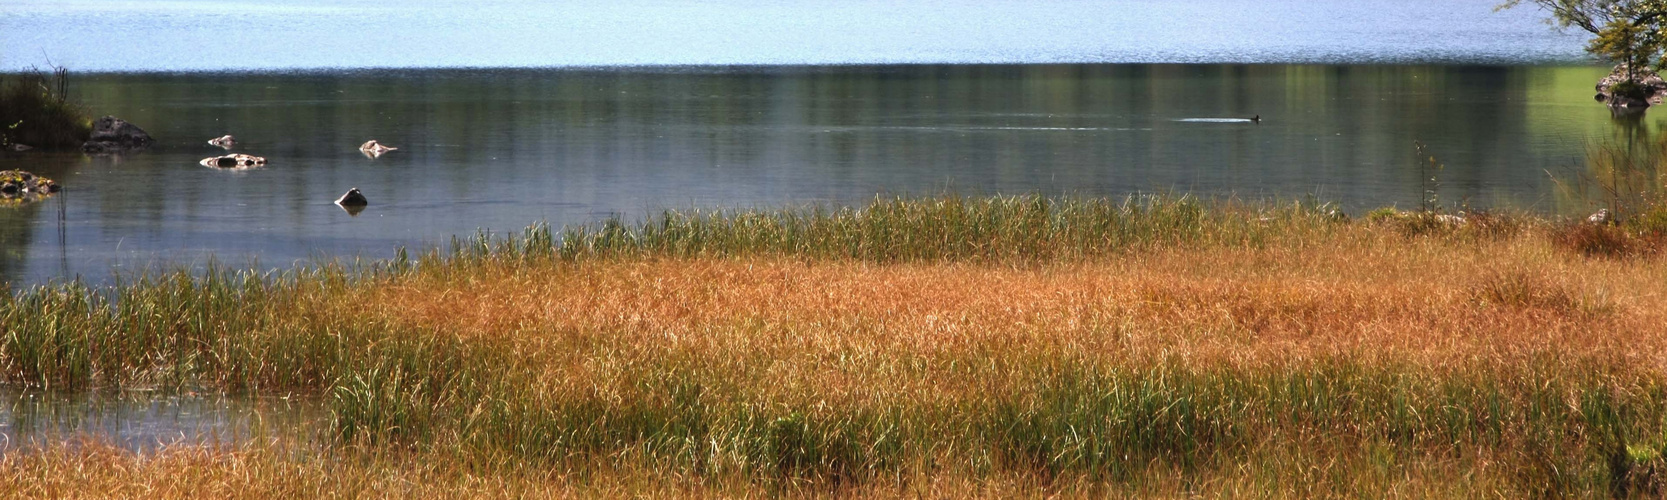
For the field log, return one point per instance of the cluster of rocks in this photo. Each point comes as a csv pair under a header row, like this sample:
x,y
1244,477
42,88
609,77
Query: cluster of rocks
x,y
1649,91
234,161
353,201
113,135
19,185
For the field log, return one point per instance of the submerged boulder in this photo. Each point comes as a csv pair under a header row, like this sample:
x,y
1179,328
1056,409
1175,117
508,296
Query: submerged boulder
x,y
113,135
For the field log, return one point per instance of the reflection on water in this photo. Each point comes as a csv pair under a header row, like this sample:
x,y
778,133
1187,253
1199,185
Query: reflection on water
x,y
144,421
503,149
1622,173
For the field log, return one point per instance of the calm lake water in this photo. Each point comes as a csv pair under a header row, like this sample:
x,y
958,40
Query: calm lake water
x,y
199,35
502,149
628,107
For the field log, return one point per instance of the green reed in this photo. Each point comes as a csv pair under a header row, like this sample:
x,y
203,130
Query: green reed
x,y
951,227
1078,419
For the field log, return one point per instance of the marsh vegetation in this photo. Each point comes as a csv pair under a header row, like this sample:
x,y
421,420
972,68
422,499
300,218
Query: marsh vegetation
x,y
942,346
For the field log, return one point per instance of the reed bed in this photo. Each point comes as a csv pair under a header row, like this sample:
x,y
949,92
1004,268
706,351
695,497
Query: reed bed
x,y
1156,346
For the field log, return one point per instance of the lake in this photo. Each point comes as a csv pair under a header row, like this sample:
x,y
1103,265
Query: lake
x,y
513,112
501,149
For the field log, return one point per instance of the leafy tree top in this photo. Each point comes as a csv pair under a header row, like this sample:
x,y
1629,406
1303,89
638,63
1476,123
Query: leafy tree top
x,y
1629,32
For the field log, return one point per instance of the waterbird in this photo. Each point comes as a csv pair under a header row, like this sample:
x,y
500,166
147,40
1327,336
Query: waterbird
x,y
224,141
374,149
353,198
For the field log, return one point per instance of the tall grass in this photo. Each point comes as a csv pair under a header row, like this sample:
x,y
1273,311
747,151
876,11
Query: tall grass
x,y
1146,344
952,228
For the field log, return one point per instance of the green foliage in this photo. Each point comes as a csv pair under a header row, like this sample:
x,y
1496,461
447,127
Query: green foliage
x,y
1630,44
1630,88
1383,214
1627,32
35,110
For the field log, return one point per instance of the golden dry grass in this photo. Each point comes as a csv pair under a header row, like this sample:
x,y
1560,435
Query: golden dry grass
x,y
1322,362
1363,295
1281,469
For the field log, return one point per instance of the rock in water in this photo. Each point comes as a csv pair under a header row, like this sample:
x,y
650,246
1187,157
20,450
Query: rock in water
x,y
234,161
353,198
374,149
1602,217
224,141
113,135
1648,89
18,186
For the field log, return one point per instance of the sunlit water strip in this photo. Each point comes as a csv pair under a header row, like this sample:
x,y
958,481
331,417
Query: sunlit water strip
x,y
207,35
146,420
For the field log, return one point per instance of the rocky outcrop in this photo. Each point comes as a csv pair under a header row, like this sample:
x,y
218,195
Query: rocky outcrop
x,y
234,162
113,135
1647,90
21,186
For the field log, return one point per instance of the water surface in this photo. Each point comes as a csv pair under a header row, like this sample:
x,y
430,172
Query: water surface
x,y
146,421
199,35
502,149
